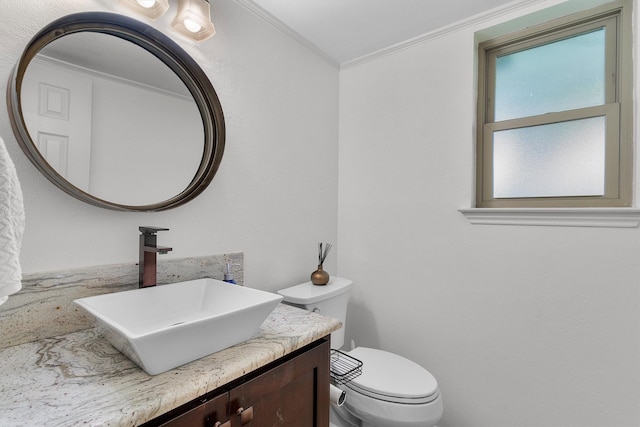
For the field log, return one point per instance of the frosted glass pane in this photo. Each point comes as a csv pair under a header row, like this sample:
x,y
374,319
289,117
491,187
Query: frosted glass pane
x,y
560,159
558,76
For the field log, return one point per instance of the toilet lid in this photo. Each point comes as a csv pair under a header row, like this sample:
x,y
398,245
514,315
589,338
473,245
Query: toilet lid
x,y
390,377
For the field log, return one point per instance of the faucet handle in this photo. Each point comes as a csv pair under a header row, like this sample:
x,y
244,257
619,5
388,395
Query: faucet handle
x,y
150,229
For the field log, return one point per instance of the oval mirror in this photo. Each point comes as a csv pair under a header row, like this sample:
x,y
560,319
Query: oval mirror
x,y
116,114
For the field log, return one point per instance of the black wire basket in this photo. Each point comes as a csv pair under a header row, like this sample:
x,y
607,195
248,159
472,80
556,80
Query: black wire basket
x,y
344,368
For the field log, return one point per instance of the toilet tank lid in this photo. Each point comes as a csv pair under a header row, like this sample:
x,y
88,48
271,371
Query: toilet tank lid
x,y
308,293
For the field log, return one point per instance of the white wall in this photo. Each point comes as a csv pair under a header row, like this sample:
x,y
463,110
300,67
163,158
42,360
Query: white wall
x,y
275,195
522,326
163,155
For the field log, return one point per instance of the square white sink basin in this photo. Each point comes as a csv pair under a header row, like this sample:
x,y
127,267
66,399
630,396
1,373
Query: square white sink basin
x,y
166,326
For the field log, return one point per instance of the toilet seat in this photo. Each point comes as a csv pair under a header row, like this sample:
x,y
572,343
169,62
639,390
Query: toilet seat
x,y
392,378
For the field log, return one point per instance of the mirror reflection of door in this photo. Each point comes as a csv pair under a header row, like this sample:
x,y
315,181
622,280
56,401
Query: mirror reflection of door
x,y
117,123
57,109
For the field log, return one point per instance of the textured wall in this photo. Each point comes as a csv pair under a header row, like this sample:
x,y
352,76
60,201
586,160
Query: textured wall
x,y
275,195
522,326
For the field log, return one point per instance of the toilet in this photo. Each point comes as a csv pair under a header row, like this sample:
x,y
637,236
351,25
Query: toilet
x,y
392,390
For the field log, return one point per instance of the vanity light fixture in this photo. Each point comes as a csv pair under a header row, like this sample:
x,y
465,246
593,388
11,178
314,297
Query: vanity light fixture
x,y
193,19
152,9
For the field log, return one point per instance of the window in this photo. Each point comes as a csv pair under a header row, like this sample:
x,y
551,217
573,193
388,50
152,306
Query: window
x,y
555,113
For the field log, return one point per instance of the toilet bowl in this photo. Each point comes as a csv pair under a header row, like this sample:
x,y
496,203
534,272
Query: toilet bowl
x,y
392,391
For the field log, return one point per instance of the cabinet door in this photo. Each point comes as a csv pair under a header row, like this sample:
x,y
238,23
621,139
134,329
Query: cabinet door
x,y
212,413
295,393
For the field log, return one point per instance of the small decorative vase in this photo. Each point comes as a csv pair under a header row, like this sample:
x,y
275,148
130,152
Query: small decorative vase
x,y
320,277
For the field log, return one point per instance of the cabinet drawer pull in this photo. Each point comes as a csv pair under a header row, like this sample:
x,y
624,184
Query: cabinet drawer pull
x,y
246,415
208,422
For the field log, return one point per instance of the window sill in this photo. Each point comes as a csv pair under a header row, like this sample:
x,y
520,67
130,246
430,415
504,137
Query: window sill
x,y
564,217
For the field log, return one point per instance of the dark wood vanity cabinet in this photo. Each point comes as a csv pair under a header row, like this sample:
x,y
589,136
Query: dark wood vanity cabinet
x,y
209,413
292,391
295,393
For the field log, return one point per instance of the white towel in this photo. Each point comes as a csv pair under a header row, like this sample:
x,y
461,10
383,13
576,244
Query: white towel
x,y
11,226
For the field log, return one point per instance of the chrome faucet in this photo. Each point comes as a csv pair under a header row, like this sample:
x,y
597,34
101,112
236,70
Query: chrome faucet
x,y
149,249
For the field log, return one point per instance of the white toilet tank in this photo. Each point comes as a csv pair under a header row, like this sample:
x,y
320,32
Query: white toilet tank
x,y
329,300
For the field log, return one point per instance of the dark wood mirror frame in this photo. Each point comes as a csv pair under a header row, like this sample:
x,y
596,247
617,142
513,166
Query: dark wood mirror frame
x,y
165,49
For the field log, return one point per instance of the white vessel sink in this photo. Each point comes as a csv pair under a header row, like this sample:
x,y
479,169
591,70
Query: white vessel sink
x,y
166,326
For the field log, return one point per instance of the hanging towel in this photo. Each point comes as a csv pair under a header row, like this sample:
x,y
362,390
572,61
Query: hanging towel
x,y
11,226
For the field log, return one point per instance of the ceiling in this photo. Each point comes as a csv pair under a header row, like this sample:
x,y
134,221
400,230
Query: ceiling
x,y
345,30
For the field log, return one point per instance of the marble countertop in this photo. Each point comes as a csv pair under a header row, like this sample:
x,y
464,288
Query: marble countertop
x,y
79,379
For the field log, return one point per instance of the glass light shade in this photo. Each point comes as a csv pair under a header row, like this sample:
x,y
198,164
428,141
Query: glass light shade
x,y
193,19
152,9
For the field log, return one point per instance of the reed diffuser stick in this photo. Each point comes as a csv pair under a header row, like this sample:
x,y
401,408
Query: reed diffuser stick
x,y
322,255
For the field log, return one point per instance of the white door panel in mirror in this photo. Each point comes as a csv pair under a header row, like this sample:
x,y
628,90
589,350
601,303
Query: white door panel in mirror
x,y
147,130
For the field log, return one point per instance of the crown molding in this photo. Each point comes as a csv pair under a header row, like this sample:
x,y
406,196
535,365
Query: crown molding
x,y
440,32
476,20
279,25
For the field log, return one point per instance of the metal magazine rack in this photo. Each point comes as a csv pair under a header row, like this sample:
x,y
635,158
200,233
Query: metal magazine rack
x,y
344,368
